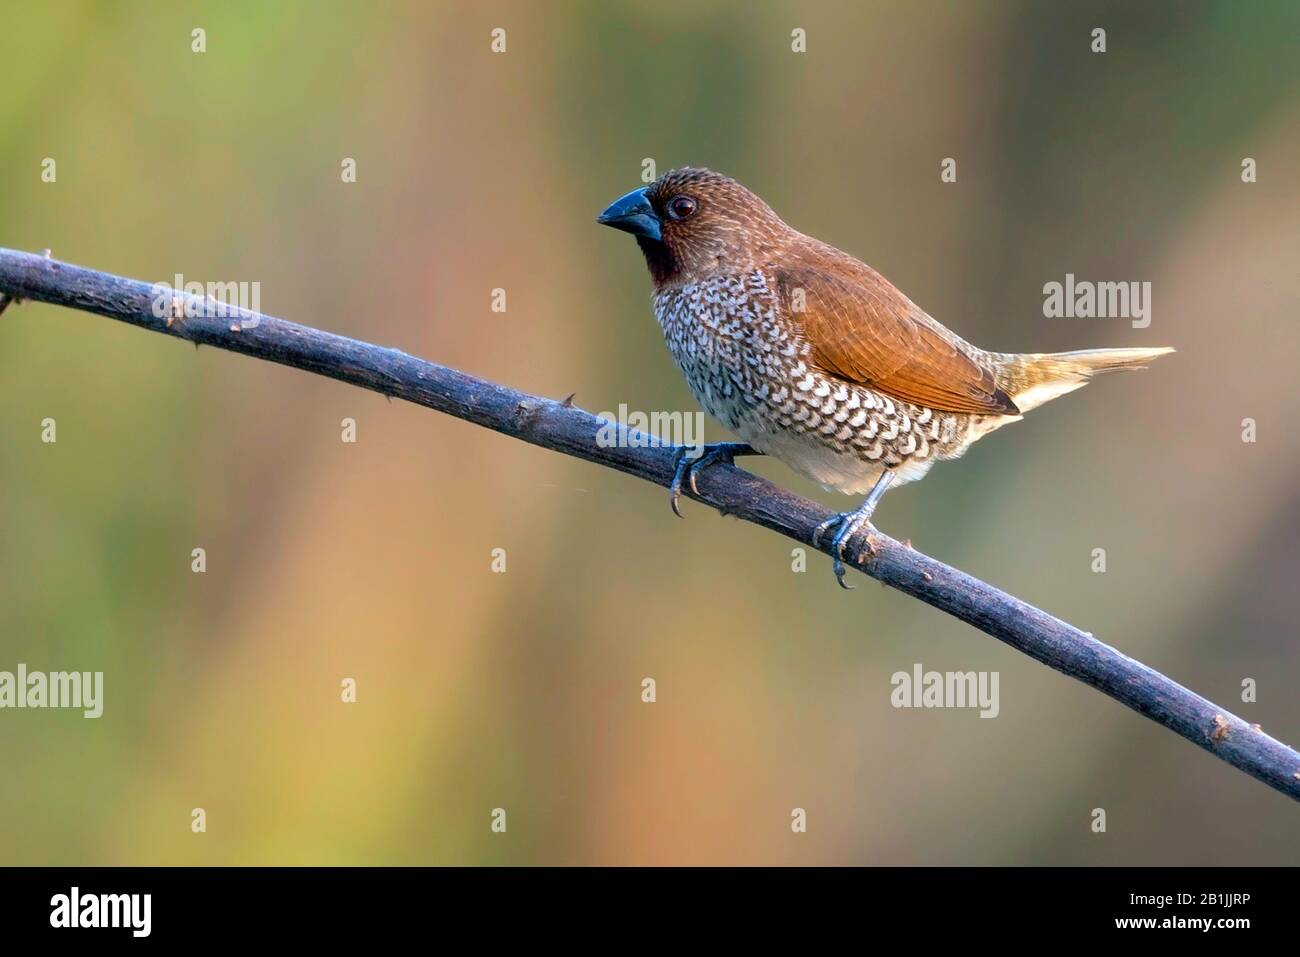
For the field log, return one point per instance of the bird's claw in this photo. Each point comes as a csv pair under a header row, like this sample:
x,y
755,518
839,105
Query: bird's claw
x,y
685,467
847,524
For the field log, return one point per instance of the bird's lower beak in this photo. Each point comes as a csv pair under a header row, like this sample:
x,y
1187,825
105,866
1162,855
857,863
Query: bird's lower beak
x,y
632,214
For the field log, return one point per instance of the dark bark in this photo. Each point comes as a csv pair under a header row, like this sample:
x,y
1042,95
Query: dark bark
x,y
564,428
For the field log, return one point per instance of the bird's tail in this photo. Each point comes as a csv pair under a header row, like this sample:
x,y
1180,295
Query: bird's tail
x,y
1031,379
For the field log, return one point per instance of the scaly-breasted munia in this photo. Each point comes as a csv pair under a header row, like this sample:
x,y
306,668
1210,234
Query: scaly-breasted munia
x,y
813,357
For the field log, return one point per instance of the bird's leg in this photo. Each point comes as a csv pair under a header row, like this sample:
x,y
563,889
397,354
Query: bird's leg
x,y
686,465
849,522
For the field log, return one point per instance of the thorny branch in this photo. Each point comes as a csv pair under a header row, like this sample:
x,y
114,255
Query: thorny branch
x,y
562,427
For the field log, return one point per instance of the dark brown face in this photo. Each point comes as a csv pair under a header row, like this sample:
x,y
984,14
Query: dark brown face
x,y
694,223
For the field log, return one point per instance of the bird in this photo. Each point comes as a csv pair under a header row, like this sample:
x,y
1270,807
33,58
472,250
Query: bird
x,y
812,357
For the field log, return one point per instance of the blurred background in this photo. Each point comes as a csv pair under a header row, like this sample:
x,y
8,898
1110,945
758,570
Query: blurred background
x,y
522,690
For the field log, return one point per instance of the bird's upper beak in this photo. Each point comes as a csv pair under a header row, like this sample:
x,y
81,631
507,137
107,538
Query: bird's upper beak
x,y
632,214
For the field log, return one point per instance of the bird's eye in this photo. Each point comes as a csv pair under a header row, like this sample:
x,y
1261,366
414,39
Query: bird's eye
x,y
682,207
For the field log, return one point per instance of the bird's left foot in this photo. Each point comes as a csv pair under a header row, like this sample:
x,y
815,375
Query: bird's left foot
x,y
687,467
846,525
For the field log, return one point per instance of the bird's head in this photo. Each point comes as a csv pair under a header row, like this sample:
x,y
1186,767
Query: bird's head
x,y
694,223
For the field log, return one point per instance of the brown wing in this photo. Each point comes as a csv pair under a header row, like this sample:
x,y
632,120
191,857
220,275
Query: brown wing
x,y
863,329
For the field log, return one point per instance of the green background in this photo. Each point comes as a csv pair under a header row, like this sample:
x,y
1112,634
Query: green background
x,y
478,690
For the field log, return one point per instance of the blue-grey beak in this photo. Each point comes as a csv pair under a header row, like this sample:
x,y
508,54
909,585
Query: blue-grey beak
x,y
632,214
